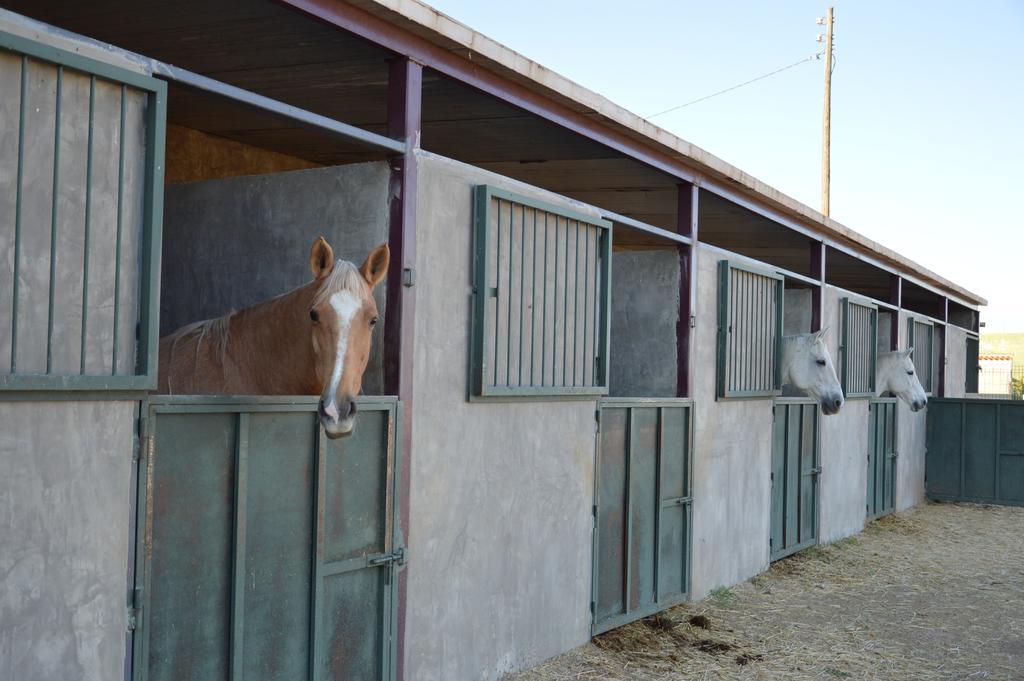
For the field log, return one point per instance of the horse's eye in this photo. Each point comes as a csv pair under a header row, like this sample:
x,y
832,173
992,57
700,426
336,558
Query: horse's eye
x,y
314,315
373,322
910,373
821,362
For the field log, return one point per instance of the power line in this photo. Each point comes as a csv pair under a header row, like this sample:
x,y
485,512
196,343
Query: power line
x,y
734,87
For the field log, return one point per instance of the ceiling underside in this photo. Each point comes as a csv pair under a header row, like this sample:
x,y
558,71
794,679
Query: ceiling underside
x,y
263,47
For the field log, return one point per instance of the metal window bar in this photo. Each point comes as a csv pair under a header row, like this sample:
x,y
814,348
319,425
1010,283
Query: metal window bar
x,y
858,348
750,313
541,299
62,73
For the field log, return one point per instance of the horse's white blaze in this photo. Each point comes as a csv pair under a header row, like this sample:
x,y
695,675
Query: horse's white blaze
x,y
346,304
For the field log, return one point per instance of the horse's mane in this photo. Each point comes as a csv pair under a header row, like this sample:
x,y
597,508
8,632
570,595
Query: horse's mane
x,y
344,277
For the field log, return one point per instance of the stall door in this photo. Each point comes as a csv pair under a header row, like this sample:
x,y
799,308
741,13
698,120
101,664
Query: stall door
x,y
795,472
265,551
642,510
881,480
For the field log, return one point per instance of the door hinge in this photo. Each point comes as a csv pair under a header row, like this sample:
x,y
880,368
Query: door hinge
x,y
593,606
816,470
408,276
693,321
397,557
131,619
597,418
593,510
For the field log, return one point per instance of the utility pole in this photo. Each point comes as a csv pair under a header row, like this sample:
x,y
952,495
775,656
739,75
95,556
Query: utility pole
x,y
827,121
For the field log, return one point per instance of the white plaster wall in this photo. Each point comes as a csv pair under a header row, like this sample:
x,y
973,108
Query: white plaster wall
x,y
732,462
500,510
956,361
844,448
910,431
65,470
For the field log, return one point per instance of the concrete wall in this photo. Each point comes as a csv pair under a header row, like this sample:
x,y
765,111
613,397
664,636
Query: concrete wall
x,y
64,524
732,461
500,537
645,310
911,432
844,447
231,243
956,361
796,311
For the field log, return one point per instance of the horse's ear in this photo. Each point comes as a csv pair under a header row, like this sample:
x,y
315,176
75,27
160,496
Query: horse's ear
x,y
909,352
820,333
376,265
321,258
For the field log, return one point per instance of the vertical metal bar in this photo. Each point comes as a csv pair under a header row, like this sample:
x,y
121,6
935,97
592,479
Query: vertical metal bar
x,y
896,300
818,250
587,359
565,309
686,224
576,302
316,560
17,213
995,450
544,318
522,285
153,210
54,209
533,298
780,315
120,221
497,289
88,223
508,324
627,553
554,309
659,452
238,569
606,303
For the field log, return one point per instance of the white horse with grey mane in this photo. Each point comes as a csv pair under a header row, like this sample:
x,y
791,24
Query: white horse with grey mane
x,y
895,374
807,366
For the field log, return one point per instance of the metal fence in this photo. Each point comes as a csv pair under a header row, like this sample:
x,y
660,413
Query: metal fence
x,y
859,348
1007,384
541,298
750,307
81,180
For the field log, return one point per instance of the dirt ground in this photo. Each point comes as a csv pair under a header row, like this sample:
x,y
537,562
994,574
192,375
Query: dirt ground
x,y
936,592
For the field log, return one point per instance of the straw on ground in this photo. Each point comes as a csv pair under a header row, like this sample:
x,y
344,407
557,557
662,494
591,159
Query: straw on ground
x,y
936,592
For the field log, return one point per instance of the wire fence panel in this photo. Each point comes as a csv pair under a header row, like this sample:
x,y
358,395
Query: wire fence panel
x,y
859,348
81,165
541,290
750,307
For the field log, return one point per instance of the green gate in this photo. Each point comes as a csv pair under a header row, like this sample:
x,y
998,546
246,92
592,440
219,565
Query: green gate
x,y
642,509
265,550
795,470
975,451
881,479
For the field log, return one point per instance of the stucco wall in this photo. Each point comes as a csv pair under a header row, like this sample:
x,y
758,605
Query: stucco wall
x,y
64,523
645,309
844,447
231,243
500,521
732,461
796,311
910,431
956,361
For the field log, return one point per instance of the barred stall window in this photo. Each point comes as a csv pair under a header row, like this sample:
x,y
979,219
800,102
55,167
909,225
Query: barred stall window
x,y
541,299
81,182
859,348
922,339
750,306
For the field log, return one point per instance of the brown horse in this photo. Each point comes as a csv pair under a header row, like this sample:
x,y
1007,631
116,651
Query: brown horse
x,y
313,340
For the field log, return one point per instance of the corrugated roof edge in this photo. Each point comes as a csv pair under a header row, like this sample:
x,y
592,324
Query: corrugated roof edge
x,y
440,29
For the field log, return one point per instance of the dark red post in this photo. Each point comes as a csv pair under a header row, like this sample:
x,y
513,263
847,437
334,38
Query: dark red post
x,y
405,81
896,300
818,292
686,224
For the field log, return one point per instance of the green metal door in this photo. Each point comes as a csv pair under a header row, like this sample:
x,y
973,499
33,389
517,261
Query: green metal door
x,y
642,509
265,551
881,478
795,470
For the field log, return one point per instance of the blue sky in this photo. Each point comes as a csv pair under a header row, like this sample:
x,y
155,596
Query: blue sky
x,y
927,109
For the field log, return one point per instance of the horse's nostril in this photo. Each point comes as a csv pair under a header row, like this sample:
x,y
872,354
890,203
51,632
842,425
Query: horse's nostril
x,y
352,408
